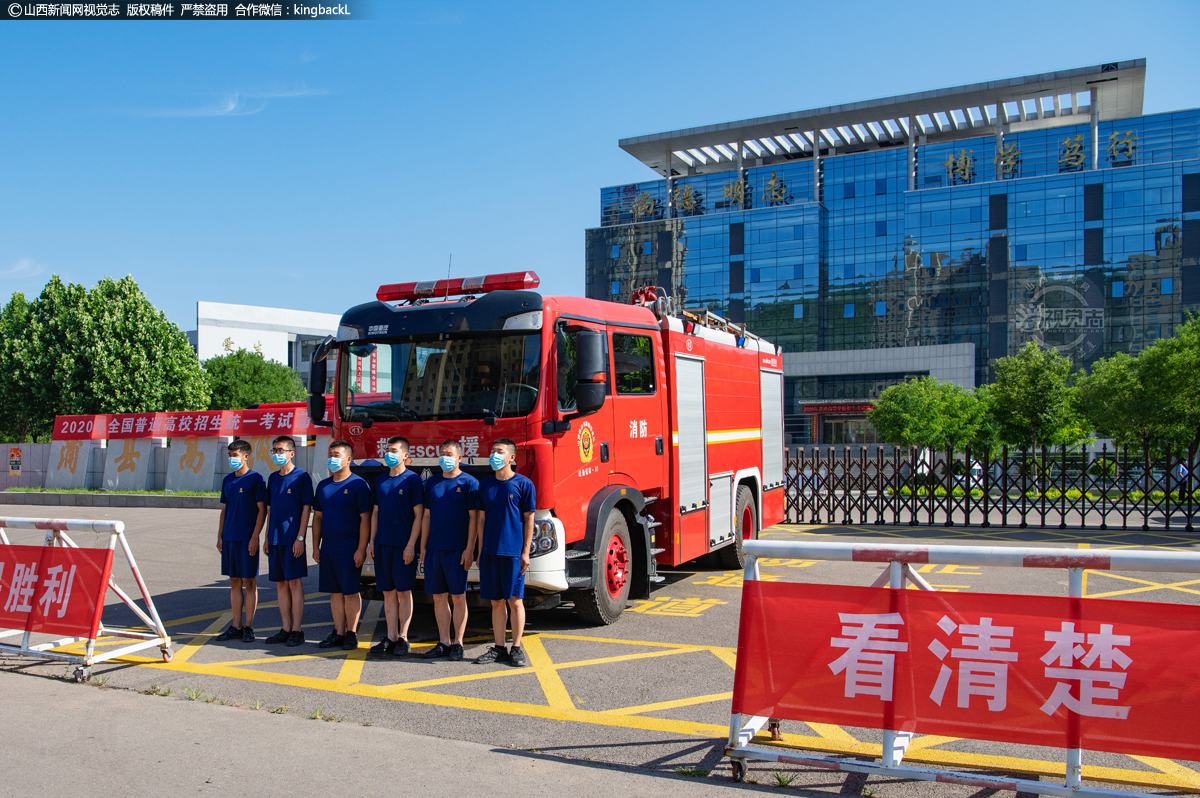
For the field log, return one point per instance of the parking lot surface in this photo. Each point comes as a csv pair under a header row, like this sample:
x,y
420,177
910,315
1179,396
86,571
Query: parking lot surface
x,y
651,691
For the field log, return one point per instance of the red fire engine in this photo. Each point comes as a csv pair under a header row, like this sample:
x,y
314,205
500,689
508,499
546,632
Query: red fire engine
x,y
652,437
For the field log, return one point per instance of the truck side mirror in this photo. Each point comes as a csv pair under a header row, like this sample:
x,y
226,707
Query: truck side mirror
x,y
591,371
318,373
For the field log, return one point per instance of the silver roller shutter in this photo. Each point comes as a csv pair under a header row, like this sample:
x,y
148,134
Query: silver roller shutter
x,y
772,428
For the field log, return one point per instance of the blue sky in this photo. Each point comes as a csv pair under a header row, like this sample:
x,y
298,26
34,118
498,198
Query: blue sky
x,y
301,164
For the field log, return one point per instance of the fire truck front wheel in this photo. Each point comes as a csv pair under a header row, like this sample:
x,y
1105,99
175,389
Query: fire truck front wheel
x,y
745,528
603,603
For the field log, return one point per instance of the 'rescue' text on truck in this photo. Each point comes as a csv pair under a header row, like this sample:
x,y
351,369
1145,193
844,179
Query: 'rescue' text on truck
x,y
652,437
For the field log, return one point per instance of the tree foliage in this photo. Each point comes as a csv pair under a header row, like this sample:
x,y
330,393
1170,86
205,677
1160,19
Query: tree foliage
x,y
241,379
1031,400
929,413
108,350
16,406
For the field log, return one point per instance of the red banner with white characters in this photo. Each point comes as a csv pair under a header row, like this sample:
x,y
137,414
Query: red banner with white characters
x,y
194,424
53,589
1120,676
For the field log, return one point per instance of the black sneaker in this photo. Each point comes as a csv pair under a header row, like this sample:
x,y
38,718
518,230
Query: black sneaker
x,y
295,639
517,658
493,654
456,652
401,648
279,637
384,646
333,641
440,650
351,641
232,633
247,634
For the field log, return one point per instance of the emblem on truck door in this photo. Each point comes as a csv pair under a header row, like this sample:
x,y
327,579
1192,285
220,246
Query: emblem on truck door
x,y
586,440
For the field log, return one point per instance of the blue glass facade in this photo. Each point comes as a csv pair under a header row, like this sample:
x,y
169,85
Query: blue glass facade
x,y
999,241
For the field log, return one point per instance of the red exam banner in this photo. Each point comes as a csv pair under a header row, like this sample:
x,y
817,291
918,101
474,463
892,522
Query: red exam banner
x,y
1119,676
192,424
53,589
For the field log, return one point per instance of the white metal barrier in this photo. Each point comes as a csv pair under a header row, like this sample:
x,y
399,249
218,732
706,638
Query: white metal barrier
x,y
899,558
56,535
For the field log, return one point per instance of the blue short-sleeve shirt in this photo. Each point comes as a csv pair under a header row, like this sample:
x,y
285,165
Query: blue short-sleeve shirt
x,y
449,502
397,499
341,505
287,496
241,496
504,504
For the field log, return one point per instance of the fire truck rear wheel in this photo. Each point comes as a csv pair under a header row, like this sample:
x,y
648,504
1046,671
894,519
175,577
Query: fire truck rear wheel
x,y
745,528
603,603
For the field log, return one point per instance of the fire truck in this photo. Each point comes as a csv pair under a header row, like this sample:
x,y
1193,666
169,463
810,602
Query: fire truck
x,y
653,437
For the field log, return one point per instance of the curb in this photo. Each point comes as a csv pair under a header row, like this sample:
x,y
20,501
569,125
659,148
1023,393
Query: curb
x,y
112,500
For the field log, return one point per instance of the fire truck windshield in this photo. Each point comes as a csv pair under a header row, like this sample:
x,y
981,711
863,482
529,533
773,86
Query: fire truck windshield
x,y
427,380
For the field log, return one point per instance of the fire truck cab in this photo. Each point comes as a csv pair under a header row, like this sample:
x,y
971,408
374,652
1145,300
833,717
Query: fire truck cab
x,y
651,437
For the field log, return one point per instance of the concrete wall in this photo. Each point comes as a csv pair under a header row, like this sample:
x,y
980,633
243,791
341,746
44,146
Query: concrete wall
x,y
953,363
34,457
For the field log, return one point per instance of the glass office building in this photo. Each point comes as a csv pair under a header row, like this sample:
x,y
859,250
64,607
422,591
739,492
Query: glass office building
x,y
923,234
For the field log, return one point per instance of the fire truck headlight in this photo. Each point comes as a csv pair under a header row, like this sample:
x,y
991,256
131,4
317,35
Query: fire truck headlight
x,y
544,539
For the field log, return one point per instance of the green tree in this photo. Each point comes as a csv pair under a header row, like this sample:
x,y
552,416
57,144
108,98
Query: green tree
x,y
16,404
1129,399
1031,402
928,413
107,350
241,379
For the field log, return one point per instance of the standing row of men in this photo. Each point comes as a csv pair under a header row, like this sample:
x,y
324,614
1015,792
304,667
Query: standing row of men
x,y
445,522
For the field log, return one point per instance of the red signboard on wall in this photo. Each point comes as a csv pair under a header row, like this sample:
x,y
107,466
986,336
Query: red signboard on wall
x,y
195,424
53,589
1120,676
860,407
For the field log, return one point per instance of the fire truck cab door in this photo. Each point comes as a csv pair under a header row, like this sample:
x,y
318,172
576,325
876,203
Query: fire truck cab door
x,y
637,400
582,454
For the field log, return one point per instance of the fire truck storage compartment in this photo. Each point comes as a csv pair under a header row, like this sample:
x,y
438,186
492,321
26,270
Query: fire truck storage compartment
x,y
720,509
692,451
772,429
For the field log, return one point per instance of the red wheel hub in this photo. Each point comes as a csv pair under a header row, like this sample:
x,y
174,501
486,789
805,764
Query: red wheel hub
x,y
616,566
747,523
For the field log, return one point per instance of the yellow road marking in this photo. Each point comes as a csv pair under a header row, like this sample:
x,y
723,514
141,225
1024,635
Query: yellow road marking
x,y
352,668
552,684
679,702
836,735
929,741
185,652
1180,586
1184,774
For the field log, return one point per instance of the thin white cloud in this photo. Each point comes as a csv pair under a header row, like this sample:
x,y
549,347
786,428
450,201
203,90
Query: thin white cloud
x,y
25,267
238,103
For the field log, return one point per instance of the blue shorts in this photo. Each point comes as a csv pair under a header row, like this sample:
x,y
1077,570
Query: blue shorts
x,y
236,560
500,577
390,571
444,572
339,574
282,566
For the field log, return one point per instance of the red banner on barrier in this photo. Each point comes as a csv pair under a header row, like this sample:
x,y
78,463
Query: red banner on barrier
x,y
1120,676
194,424
53,589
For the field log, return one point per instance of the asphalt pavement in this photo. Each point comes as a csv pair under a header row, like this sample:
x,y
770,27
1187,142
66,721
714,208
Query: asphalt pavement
x,y
647,695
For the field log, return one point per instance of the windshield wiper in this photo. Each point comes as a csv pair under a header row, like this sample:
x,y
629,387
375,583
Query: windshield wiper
x,y
490,421
412,413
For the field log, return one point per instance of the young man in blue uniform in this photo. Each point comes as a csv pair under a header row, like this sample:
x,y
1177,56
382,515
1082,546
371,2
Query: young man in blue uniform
x,y
340,530
447,550
395,535
289,503
243,510
508,502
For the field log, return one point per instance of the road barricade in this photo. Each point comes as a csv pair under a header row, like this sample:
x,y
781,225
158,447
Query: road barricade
x,y
1065,672
59,588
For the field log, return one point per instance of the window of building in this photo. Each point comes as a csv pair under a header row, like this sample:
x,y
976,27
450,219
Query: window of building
x,y
881,228
1118,290
647,248
616,251
848,191
848,310
881,308
616,287
1020,251
1168,286
798,311
880,186
633,357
